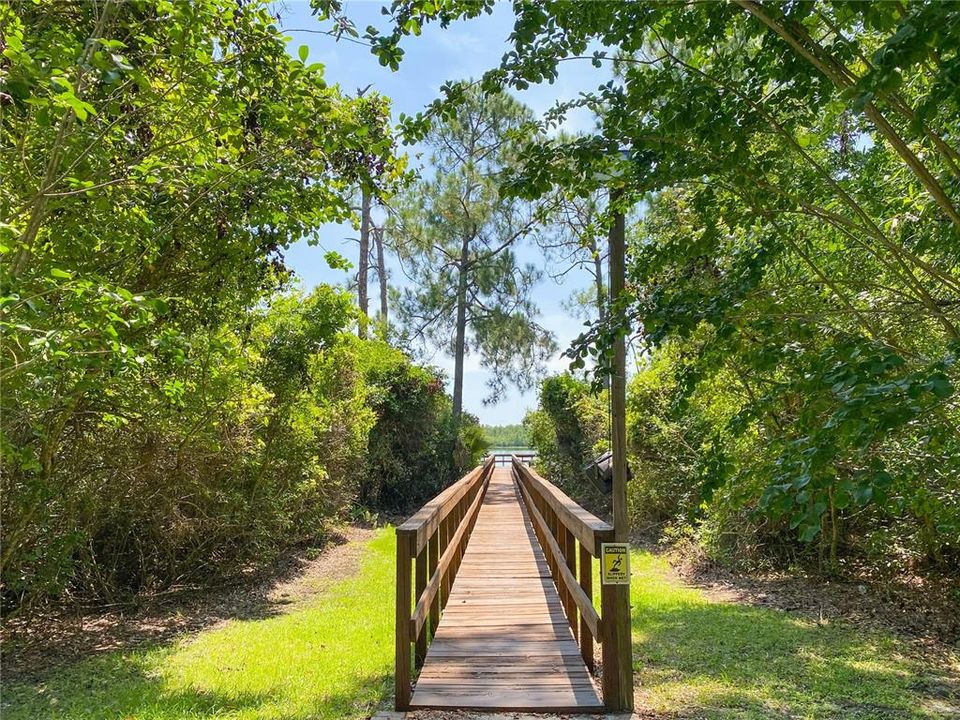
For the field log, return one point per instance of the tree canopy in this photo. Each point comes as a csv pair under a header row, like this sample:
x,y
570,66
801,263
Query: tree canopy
x,y
799,256
458,238
173,401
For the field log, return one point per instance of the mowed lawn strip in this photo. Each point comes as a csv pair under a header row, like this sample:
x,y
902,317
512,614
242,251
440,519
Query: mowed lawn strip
x,y
695,657
330,657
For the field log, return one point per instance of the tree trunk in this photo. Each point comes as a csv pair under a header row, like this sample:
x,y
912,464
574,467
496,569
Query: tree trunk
x,y
601,295
598,280
382,275
364,270
460,342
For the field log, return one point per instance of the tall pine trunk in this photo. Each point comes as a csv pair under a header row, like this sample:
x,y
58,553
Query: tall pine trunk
x,y
460,342
364,270
382,275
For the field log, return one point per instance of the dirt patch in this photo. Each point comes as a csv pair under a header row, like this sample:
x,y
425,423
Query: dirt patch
x,y
34,645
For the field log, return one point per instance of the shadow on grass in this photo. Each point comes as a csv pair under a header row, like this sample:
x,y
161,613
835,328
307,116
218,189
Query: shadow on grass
x,y
714,660
130,687
329,657
117,686
38,645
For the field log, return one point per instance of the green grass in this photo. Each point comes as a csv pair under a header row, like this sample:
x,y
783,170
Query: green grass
x,y
333,658
705,659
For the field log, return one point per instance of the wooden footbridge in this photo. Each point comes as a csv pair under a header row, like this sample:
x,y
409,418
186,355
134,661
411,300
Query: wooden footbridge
x,y
495,601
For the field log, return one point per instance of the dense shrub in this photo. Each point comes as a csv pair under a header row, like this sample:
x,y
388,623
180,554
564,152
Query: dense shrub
x,y
257,440
670,477
707,463
159,425
413,452
706,458
568,431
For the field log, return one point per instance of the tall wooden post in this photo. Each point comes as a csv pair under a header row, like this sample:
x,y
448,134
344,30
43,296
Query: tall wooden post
x,y
620,600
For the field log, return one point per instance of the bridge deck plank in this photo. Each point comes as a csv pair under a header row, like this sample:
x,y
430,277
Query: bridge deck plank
x,y
504,642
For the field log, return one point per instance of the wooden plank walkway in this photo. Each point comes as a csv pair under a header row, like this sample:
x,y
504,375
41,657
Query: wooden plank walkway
x,y
503,642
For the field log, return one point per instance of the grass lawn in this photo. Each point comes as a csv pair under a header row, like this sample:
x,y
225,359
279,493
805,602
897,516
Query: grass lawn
x,y
330,658
333,658
698,658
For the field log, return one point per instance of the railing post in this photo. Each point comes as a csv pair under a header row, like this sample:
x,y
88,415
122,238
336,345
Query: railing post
x,y
444,542
457,519
402,671
551,561
569,546
421,585
586,584
432,560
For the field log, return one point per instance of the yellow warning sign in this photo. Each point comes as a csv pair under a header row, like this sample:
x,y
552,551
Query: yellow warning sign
x,y
615,563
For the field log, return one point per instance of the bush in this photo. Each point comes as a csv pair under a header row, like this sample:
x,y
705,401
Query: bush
x,y
412,452
711,459
568,431
235,445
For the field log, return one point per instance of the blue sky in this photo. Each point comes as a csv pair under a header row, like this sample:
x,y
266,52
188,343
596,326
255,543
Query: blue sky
x,y
464,50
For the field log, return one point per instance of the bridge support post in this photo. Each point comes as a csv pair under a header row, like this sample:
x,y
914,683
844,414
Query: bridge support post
x,y
617,644
617,683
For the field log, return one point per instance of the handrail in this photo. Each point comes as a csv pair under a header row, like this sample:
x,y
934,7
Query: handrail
x,y
430,592
505,458
583,524
561,525
436,537
423,522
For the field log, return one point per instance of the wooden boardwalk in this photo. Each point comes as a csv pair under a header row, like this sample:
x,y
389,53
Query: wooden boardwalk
x,y
504,641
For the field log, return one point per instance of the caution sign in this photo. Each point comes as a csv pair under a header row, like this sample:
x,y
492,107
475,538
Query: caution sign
x,y
615,563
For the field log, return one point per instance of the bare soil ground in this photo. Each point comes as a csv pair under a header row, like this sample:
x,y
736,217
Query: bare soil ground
x,y
32,646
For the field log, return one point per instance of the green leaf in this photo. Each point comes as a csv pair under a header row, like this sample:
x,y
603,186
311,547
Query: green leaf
x,y
303,52
60,274
336,261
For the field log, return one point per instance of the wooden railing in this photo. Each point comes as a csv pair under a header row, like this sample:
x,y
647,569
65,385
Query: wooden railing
x,y
504,459
571,537
435,537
